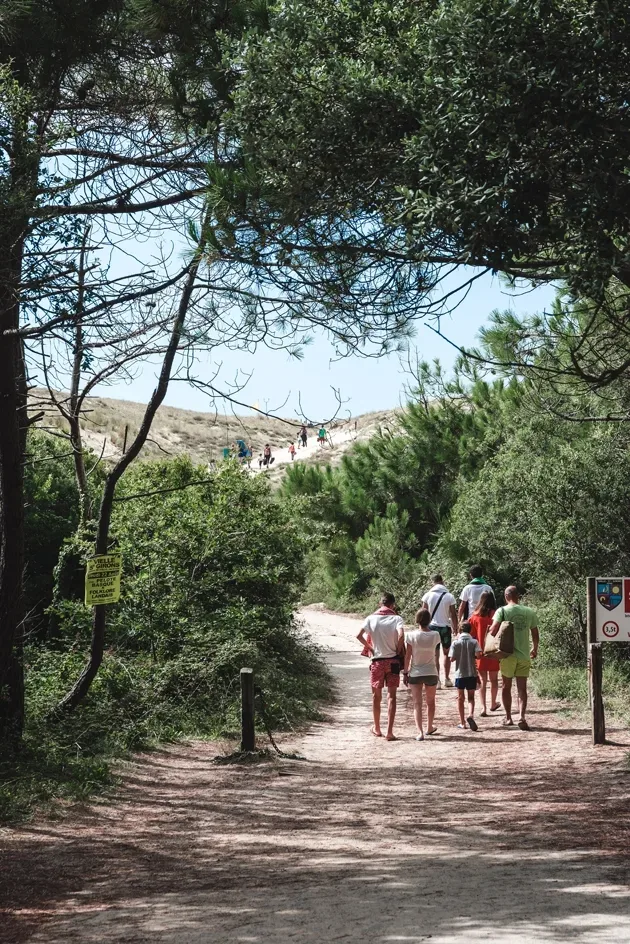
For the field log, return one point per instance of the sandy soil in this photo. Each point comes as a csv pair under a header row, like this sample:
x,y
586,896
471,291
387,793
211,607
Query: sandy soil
x,y
502,835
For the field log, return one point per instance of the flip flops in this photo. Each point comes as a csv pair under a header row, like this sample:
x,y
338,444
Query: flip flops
x,y
472,724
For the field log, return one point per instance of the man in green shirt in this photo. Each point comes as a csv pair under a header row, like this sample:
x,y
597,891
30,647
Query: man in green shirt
x,y
517,665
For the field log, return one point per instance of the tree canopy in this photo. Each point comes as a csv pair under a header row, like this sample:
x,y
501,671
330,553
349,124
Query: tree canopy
x,y
486,133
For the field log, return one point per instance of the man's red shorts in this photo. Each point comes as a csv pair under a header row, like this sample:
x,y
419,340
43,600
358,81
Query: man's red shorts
x,y
382,673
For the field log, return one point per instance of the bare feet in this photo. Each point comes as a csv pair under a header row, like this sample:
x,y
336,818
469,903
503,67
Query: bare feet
x,y
523,725
377,734
391,737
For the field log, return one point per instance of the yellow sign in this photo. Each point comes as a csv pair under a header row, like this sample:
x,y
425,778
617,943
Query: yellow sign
x,y
102,579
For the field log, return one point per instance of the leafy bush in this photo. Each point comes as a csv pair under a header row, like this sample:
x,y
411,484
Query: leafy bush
x,y
212,576
51,517
538,514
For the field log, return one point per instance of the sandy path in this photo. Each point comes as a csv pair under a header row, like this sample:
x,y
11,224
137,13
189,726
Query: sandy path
x,y
339,437
500,836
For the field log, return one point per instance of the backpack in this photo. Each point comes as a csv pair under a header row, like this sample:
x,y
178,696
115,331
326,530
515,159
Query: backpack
x,y
502,645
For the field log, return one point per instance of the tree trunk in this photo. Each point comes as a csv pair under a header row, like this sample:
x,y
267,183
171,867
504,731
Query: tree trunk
x,y
74,417
12,448
97,645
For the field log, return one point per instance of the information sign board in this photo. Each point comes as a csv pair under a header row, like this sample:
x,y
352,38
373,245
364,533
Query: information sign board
x,y
102,579
612,609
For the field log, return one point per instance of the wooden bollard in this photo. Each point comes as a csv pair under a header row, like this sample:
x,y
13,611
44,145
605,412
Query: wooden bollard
x,y
596,688
248,732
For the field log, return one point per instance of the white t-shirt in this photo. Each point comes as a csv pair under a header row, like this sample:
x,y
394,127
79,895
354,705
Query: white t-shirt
x,y
442,615
472,593
385,632
423,644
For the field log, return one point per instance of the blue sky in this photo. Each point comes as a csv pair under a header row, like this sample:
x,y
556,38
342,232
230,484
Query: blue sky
x,y
278,382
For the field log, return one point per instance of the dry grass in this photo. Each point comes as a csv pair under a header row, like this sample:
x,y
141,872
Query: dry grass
x,y
202,436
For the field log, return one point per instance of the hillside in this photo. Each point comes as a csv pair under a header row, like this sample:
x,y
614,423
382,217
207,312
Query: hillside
x,y
202,435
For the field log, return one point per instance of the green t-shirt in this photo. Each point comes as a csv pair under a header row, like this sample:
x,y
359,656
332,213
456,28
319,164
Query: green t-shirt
x,y
524,619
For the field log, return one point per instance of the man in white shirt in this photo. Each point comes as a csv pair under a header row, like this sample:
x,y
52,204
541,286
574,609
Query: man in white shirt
x,y
471,594
441,605
382,638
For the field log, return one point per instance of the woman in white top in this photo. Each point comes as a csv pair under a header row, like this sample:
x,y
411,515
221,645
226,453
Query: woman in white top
x,y
420,646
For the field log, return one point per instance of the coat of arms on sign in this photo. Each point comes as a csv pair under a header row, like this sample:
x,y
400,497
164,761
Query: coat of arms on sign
x,y
609,593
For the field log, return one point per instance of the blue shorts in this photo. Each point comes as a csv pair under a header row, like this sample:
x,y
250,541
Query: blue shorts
x,y
470,683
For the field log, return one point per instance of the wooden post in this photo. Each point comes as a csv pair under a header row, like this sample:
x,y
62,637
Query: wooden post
x,y
591,603
595,663
591,631
248,732
597,701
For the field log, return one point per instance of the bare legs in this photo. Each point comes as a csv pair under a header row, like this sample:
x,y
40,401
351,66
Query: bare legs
x,y
461,693
377,695
416,694
521,688
430,696
494,690
447,663
391,713
506,698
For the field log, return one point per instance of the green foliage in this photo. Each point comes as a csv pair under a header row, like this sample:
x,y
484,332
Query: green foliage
x,y
539,512
471,475
386,505
484,131
569,683
383,553
51,517
212,576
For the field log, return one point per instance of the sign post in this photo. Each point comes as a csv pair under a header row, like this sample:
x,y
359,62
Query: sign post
x,y
595,693
607,620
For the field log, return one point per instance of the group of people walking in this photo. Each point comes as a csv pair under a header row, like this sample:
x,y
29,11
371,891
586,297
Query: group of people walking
x,y
243,453
452,635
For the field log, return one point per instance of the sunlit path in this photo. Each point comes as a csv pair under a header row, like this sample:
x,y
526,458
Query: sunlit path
x,y
502,836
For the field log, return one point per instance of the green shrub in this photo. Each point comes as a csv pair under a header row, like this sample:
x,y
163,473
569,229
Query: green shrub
x,y
211,580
